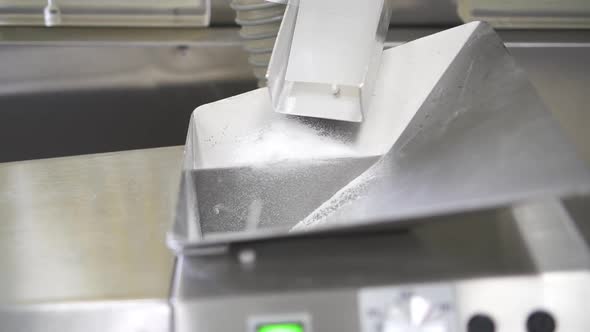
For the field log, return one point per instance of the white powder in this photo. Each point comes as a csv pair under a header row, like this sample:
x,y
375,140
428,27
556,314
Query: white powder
x,y
282,141
348,194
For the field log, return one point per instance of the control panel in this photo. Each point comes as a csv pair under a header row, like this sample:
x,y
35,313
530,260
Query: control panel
x,y
407,309
552,303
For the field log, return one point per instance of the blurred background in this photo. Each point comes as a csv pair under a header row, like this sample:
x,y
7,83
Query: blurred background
x,y
126,74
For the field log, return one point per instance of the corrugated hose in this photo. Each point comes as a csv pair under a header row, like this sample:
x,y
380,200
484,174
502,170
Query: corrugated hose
x,y
260,21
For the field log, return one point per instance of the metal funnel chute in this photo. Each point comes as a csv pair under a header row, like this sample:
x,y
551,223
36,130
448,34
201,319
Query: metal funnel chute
x,y
453,124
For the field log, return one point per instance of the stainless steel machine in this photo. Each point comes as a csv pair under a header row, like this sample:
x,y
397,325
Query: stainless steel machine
x,y
287,223
436,189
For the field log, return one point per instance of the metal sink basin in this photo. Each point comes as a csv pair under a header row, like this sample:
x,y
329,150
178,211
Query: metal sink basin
x,y
87,91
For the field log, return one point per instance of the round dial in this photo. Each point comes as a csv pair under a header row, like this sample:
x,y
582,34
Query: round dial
x,y
414,313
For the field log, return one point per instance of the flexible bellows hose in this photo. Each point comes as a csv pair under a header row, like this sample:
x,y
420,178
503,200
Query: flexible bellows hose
x,y
260,21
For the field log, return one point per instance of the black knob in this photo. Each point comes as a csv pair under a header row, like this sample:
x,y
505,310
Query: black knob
x,y
481,323
540,321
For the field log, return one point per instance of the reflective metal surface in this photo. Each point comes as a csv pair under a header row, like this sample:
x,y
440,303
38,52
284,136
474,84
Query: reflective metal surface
x,y
184,13
405,13
555,63
97,316
483,137
145,66
454,125
425,13
566,14
111,92
491,242
559,75
552,234
48,202
509,301
305,74
119,62
87,228
487,257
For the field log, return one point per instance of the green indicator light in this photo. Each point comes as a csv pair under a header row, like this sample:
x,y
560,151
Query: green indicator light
x,y
282,327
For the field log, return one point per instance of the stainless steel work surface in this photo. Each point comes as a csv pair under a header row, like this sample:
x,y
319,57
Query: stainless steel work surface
x,y
98,316
88,227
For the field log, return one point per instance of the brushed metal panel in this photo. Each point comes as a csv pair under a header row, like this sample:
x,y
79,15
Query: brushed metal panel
x,y
88,227
99,316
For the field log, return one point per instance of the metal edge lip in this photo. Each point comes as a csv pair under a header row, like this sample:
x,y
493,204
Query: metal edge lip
x,y
83,305
127,37
218,244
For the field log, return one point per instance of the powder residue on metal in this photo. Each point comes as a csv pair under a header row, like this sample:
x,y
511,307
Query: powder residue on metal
x,y
348,194
290,141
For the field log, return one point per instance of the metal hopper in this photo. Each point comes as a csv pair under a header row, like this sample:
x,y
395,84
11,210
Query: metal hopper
x,y
454,124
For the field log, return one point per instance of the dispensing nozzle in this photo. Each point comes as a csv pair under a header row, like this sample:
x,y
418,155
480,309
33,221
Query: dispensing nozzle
x,y
327,56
